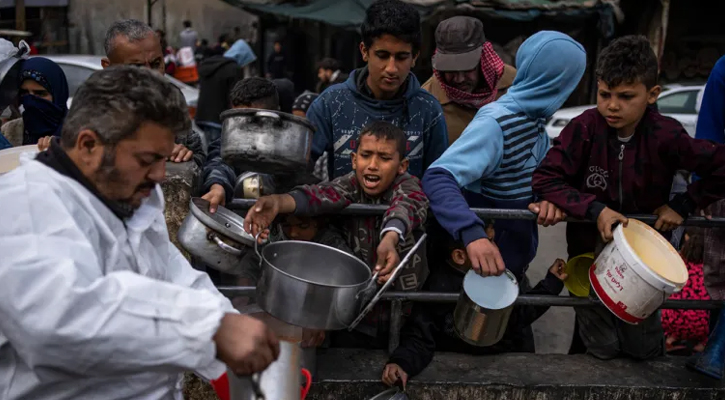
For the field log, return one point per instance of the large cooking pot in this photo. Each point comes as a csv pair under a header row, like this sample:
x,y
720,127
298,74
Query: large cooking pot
x,y
318,287
265,141
484,307
218,239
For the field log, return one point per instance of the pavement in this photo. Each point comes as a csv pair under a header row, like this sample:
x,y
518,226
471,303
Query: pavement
x,y
553,331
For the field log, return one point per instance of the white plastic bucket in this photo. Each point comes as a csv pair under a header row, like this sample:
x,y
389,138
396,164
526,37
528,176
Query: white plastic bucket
x,y
636,272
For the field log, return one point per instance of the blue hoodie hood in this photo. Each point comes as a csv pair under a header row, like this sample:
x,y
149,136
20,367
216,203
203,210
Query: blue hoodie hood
x,y
549,67
241,53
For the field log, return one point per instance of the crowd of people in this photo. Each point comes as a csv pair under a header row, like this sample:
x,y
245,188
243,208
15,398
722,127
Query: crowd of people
x,y
84,228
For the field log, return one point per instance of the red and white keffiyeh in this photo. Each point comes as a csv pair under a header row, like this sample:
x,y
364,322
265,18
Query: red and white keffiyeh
x,y
492,69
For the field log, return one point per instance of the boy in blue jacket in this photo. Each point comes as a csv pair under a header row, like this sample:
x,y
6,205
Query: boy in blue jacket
x,y
497,154
385,90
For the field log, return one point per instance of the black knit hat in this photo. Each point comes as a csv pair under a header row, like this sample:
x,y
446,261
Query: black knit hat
x,y
303,101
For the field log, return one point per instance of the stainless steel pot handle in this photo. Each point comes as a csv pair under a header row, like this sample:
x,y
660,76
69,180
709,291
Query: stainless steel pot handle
x,y
511,276
225,247
256,386
268,114
387,284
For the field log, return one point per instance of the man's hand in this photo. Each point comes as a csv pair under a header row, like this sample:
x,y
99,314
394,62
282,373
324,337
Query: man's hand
x,y
180,154
549,214
265,210
485,258
394,373
312,338
245,344
668,219
215,197
606,220
388,257
705,213
44,143
557,269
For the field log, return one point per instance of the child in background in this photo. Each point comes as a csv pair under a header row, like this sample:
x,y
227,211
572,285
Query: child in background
x,y
620,158
218,177
379,177
688,329
430,326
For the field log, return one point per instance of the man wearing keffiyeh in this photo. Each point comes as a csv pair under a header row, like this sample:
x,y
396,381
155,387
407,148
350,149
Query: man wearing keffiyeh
x,y
467,72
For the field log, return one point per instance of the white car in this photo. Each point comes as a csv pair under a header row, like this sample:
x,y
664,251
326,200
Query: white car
x,y
78,68
681,102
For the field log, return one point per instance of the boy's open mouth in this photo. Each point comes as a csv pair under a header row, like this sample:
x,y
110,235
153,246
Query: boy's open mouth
x,y
371,181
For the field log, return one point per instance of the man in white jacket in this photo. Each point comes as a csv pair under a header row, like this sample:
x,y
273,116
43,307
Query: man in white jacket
x,y
95,301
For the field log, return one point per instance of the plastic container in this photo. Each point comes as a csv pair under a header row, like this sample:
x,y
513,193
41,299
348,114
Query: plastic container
x,y
577,270
636,272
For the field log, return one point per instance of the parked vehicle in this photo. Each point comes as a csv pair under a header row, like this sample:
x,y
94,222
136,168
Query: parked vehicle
x,y
78,68
681,102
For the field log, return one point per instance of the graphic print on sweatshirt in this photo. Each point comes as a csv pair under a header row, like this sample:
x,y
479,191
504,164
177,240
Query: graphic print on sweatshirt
x,y
597,178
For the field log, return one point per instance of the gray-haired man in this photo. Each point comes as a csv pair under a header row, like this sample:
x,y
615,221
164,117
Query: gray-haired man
x,y
95,301
132,42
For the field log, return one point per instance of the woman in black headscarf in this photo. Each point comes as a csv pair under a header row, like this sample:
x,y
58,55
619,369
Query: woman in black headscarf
x,y
43,103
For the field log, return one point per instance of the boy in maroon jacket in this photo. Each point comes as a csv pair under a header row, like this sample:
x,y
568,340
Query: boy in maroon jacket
x,y
621,158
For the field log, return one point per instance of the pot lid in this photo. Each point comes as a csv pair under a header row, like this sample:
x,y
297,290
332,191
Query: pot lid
x,y
251,112
223,221
391,394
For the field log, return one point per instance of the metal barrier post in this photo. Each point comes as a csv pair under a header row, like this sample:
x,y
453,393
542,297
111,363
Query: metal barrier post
x,y
396,319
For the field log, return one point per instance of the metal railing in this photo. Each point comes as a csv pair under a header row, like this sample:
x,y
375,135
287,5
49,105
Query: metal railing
x,y
491,213
397,298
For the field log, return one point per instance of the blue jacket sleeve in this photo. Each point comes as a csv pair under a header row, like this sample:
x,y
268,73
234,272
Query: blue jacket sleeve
x,y
474,156
217,172
437,141
318,115
4,142
711,120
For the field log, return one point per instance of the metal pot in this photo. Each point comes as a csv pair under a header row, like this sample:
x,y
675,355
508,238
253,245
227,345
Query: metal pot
x,y
281,380
316,286
217,239
484,307
265,141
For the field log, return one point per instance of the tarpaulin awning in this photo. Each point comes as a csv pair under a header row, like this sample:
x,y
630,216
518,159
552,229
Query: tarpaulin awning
x,y
334,12
350,13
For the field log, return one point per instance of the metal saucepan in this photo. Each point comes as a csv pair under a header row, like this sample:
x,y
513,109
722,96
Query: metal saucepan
x,y
484,307
316,286
218,239
265,141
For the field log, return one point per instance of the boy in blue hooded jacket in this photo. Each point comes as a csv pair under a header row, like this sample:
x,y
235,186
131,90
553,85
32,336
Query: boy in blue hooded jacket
x,y
385,90
497,154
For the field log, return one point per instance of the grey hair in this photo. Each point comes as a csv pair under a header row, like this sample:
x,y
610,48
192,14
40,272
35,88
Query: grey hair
x,y
132,29
116,101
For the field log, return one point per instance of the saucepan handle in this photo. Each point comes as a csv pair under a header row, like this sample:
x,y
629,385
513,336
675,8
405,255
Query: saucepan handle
x,y
270,115
387,284
511,276
225,247
256,386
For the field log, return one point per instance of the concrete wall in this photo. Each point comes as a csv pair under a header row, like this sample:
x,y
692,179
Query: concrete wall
x,y
89,19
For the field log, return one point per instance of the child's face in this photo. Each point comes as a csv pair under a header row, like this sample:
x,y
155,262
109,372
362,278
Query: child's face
x,y
300,228
624,105
377,163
